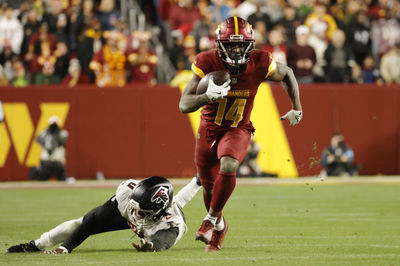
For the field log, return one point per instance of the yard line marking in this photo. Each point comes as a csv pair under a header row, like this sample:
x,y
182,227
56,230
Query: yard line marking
x,y
306,245
299,237
264,181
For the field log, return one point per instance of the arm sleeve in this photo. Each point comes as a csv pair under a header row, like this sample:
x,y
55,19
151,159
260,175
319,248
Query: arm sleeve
x,y
164,239
187,193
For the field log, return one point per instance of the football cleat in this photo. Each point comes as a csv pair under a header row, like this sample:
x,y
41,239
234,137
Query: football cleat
x,y
205,231
25,247
60,250
217,239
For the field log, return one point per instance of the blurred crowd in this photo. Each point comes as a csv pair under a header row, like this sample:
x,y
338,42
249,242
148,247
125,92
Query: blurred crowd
x,y
88,41
71,42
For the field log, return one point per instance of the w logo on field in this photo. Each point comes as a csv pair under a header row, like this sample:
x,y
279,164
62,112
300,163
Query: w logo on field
x,y
161,196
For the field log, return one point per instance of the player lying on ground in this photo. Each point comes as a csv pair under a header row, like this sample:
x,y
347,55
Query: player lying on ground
x,y
147,206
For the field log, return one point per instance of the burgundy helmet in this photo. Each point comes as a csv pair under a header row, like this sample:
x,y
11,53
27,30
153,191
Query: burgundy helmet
x,y
235,41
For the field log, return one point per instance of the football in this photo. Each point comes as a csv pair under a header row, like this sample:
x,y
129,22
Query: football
x,y
219,78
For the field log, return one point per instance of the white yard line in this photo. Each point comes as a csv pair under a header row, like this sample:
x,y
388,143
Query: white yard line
x,y
308,181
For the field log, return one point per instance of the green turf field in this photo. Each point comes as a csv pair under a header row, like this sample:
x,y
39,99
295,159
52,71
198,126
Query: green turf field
x,y
304,224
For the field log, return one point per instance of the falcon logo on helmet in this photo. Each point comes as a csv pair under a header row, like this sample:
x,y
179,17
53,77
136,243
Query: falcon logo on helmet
x,y
161,196
235,41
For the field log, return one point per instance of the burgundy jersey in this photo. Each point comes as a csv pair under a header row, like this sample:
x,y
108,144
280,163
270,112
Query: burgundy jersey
x,y
234,110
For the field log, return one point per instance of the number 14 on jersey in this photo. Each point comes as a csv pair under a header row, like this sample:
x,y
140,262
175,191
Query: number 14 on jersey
x,y
235,112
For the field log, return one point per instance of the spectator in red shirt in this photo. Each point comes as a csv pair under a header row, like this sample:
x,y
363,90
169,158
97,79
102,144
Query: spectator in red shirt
x,y
277,46
164,9
184,15
41,47
74,75
379,9
301,56
142,60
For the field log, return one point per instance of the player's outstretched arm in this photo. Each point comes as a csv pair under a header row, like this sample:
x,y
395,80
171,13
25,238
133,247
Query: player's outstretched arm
x,y
187,193
285,74
162,240
190,101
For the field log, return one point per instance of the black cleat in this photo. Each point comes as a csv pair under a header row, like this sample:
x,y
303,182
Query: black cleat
x,y
25,247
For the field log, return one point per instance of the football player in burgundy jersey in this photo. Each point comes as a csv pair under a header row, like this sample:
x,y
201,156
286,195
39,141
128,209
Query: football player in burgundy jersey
x,y
225,128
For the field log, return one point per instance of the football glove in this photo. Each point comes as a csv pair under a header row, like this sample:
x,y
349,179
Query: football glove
x,y
215,92
293,116
144,246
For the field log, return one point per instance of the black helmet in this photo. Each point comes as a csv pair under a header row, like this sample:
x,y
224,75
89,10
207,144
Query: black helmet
x,y
152,196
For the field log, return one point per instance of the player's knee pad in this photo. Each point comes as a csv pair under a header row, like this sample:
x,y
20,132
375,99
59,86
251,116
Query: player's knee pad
x,y
229,164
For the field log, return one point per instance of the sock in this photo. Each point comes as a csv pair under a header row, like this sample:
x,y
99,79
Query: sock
x,y
223,188
220,225
211,218
187,193
58,234
207,198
